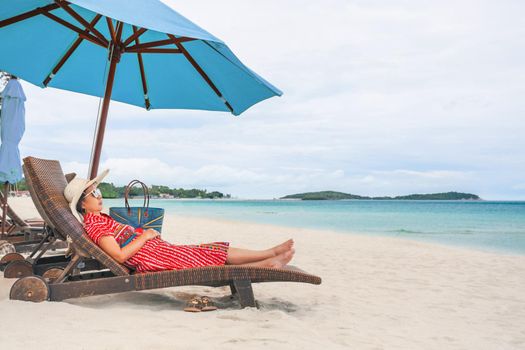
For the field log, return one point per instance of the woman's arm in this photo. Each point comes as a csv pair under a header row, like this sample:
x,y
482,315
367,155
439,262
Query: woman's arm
x,y
111,247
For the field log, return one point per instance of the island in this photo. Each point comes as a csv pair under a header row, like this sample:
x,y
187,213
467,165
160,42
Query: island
x,y
333,195
109,190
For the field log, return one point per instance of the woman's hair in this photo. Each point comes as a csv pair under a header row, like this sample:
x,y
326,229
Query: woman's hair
x,y
79,203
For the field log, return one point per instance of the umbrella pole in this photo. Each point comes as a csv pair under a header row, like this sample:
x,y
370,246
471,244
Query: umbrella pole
x,y
4,209
115,58
95,158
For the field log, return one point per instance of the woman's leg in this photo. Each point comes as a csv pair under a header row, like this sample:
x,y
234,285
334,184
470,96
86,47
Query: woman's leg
x,y
275,262
238,256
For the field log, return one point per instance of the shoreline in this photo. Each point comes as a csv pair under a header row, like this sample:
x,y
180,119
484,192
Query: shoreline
x,y
482,200
324,231
443,237
377,292
25,204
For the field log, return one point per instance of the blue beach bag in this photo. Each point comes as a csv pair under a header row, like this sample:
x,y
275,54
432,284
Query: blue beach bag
x,y
139,217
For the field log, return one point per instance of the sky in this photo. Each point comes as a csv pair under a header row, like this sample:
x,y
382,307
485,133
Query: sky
x,y
380,98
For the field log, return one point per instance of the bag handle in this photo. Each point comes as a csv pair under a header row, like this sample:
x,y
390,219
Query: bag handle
x,y
145,205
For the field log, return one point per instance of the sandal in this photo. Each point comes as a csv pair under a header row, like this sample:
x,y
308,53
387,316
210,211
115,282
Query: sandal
x,y
194,305
207,304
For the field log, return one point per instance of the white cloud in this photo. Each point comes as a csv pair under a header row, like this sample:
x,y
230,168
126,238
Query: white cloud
x,y
211,176
519,187
381,97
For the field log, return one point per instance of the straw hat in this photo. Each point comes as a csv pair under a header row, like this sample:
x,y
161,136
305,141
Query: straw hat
x,y
76,187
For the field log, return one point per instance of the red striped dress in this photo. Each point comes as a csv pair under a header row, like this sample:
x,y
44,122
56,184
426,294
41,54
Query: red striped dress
x,y
156,254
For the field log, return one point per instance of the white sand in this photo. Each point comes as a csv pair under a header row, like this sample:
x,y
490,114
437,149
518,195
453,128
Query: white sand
x,y
377,293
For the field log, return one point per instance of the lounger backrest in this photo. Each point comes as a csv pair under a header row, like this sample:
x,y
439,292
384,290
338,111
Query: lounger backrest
x,y
39,208
48,182
38,205
70,176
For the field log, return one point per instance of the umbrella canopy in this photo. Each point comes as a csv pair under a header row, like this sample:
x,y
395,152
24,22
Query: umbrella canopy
x,y
163,59
12,127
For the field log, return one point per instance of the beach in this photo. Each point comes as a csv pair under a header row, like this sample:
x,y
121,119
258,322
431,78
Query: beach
x,y
376,293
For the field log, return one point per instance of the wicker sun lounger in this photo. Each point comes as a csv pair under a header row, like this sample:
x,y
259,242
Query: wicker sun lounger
x,y
16,265
48,181
23,233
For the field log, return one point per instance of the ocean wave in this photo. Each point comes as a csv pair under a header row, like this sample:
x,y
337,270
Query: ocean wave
x,y
405,231
402,230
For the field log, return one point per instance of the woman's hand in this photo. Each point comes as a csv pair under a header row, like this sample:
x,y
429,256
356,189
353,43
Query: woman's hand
x,y
110,245
150,234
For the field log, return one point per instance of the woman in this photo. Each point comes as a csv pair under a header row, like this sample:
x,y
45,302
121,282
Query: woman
x,y
146,250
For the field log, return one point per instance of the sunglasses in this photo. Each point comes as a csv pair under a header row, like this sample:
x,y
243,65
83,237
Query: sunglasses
x,y
95,193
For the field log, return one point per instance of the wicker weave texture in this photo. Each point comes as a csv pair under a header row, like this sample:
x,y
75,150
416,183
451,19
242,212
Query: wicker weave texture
x,y
48,182
34,196
38,205
220,275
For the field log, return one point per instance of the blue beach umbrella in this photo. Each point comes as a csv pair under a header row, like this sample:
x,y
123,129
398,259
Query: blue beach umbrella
x,y
147,54
12,127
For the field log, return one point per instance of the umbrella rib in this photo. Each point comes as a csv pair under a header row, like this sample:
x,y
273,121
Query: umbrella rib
x,y
65,6
152,44
74,28
120,27
69,52
154,50
46,12
111,29
200,71
28,14
142,72
135,35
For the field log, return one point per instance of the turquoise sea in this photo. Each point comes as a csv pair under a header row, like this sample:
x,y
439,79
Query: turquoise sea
x,y
486,225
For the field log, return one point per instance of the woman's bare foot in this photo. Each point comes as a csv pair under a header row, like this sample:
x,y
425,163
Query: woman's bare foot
x,y
282,259
282,248
275,261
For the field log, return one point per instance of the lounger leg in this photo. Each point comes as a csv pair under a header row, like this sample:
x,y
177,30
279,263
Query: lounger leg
x,y
72,265
245,292
233,290
40,244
